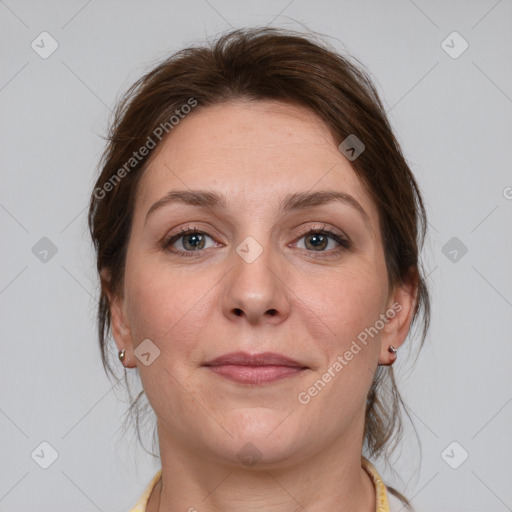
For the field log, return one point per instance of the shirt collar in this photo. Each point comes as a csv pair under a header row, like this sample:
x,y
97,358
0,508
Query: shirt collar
x,y
381,495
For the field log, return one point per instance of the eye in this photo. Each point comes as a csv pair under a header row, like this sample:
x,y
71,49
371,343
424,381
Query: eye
x,y
192,241
317,240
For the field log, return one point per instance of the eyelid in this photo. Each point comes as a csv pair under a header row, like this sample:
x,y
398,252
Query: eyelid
x,y
190,228
325,227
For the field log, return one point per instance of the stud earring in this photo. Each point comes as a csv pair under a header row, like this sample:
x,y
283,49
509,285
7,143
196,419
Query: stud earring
x,y
121,355
391,349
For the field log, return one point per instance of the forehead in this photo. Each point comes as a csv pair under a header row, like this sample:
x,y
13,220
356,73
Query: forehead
x,y
254,153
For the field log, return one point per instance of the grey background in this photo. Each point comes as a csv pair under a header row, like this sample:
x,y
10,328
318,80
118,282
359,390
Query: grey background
x,y
453,119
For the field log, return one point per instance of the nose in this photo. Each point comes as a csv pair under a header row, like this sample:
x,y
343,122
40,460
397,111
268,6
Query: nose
x,y
256,291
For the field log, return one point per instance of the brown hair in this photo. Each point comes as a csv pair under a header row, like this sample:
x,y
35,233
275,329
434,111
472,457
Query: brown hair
x,y
266,64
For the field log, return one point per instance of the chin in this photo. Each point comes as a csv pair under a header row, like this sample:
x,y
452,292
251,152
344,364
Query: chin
x,y
264,441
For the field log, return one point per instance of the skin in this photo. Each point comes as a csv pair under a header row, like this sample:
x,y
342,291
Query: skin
x,y
286,301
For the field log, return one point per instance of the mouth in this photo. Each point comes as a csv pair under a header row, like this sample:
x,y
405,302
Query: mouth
x,y
256,369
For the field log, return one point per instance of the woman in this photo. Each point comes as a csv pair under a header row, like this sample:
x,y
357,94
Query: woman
x,y
257,231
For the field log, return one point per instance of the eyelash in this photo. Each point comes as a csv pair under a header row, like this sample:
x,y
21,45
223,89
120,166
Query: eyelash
x,y
341,240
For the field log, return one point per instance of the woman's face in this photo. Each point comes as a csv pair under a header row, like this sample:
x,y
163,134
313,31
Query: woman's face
x,y
252,280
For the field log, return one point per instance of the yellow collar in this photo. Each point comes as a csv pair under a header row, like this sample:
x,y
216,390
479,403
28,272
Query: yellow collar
x,y
143,500
381,495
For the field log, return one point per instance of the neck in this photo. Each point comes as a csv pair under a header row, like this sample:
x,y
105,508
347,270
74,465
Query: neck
x,y
332,479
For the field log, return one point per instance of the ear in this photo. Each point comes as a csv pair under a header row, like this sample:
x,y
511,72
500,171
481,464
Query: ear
x,y
400,310
119,321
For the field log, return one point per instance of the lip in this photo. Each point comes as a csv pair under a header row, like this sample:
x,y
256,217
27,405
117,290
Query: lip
x,y
246,359
261,368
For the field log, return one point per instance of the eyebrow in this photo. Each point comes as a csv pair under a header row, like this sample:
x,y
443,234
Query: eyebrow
x,y
291,202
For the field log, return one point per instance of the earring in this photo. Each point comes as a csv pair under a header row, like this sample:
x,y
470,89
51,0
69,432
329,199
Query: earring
x,y
391,349
121,355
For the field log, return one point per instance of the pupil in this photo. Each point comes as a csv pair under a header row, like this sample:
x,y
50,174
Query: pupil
x,y
196,237
317,240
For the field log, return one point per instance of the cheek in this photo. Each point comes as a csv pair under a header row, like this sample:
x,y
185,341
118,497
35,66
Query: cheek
x,y
147,306
351,304
351,300
167,308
